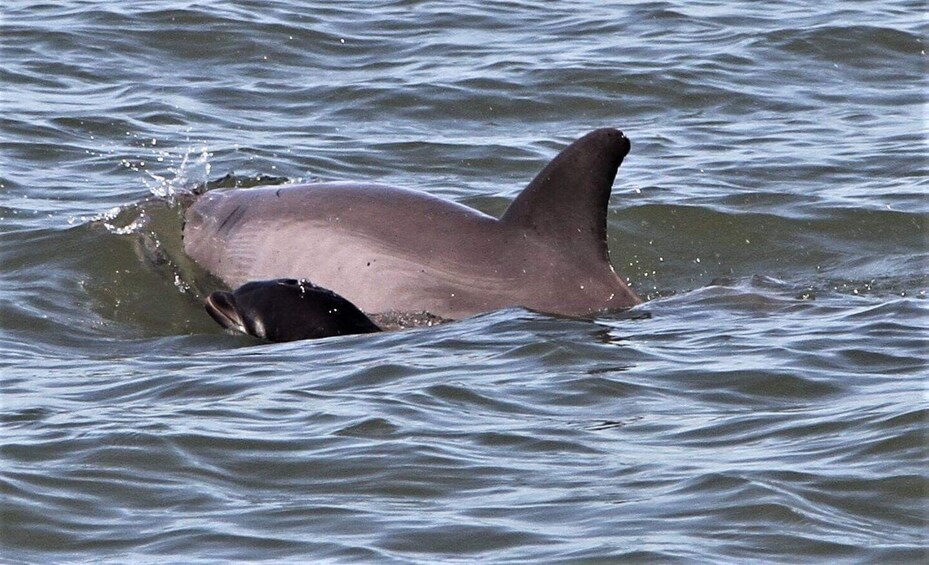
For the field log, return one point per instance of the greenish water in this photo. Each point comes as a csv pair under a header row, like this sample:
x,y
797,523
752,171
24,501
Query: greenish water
x,y
773,407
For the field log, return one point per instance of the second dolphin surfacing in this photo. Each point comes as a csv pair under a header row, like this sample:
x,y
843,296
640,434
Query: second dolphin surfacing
x,y
388,249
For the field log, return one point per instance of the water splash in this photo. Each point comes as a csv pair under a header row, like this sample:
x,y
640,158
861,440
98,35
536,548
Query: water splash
x,y
194,169
119,220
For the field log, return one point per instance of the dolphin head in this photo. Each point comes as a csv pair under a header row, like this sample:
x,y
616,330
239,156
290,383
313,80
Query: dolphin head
x,y
287,310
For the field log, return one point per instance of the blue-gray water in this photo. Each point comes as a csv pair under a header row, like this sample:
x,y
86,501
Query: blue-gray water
x,y
774,208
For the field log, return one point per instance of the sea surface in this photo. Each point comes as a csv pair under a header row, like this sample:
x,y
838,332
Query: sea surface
x,y
770,402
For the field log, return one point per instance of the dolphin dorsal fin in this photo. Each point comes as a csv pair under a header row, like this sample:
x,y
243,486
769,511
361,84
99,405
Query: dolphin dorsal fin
x,y
566,203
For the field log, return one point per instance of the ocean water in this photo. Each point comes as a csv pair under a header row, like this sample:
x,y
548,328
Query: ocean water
x,y
769,402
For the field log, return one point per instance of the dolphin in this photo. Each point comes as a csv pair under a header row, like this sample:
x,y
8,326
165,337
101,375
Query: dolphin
x,y
388,249
287,310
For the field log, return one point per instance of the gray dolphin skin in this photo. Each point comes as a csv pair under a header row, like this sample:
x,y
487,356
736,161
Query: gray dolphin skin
x,y
388,249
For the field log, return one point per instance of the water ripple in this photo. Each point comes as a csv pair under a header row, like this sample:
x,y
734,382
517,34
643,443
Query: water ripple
x,y
767,403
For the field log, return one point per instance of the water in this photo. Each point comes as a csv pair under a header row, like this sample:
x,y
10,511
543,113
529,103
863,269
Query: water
x,y
773,406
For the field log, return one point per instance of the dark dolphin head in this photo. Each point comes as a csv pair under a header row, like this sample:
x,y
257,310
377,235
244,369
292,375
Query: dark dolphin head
x,y
287,310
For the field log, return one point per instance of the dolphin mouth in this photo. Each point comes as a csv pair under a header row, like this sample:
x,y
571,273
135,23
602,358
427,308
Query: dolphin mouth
x,y
627,145
221,307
